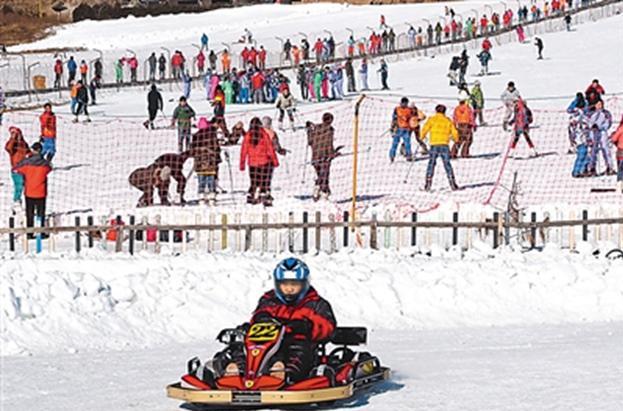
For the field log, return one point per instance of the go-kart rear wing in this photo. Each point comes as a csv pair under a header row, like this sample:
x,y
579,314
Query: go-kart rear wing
x,y
349,336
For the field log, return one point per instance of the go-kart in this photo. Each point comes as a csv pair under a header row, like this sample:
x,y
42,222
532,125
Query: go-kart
x,y
335,375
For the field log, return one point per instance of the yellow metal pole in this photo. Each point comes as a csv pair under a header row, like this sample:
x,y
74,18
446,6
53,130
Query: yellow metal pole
x,y
353,206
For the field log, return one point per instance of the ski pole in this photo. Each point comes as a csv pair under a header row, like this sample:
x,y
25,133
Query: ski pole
x,y
304,164
231,176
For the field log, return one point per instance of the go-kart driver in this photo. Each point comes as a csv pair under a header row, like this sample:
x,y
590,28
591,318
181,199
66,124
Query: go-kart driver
x,y
308,317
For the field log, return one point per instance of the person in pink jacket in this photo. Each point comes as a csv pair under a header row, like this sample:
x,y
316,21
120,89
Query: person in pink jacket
x,y
214,80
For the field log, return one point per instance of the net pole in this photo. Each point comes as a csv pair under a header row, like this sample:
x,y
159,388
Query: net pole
x,y
353,206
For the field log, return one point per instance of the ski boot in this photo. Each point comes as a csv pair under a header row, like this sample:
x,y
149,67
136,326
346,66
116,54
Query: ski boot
x,y
610,172
211,198
428,184
316,195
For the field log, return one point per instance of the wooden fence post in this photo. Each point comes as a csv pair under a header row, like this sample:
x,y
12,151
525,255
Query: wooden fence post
x,y
157,243
455,229
533,230
496,230
119,238
318,231
77,221
305,232
332,236
387,232
90,232
12,234
290,232
585,225
132,235
345,230
224,234
247,238
373,233
413,230
264,233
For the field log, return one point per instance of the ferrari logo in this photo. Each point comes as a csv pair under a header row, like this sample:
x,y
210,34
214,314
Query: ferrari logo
x,y
248,383
255,352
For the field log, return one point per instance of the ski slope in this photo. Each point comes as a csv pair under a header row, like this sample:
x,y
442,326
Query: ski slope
x,y
485,330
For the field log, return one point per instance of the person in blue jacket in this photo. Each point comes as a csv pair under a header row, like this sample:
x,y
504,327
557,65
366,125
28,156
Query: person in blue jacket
x,y
72,66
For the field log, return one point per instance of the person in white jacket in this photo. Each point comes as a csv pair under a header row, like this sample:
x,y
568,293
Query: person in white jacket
x,y
509,98
286,104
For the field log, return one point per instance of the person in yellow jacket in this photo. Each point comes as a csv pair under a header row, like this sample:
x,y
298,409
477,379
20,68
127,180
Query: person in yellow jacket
x,y
441,130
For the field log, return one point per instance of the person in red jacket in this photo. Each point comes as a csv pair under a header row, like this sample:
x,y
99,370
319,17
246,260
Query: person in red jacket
x,y
58,73
259,153
48,132
35,170
594,92
257,87
18,150
486,44
261,55
308,317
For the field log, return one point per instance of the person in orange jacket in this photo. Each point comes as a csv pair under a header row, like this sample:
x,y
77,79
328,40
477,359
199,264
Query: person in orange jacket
x,y
48,132
225,61
258,152
617,139
466,125
84,69
35,170
401,130
18,150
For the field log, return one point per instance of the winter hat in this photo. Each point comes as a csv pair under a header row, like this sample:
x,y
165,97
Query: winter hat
x,y
477,83
14,129
463,95
203,123
267,121
36,147
404,101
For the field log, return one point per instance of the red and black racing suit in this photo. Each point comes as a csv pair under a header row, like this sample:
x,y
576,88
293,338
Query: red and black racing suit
x,y
299,346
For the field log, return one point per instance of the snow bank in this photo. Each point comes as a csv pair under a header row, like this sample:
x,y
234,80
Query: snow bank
x,y
59,303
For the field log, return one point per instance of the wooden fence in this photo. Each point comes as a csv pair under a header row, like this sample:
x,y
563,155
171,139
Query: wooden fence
x,y
311,233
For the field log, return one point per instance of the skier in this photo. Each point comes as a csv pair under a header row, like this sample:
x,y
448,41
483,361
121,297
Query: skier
x,y
201,60
84,69
320,138
187,84
594,92
463,63
162,66
414,126
522,118
183,114
455,65
58,73
617,139
599,122
154,103
152,61
119,73
212,59
350,75
206,151
204,41
47,121
146,179
18,149
309,318
363,75
477,101
466,126
567,20
539,46
509,97
99,71
441,132
34,169
401,129
93,85
286,104
82,98
72,66
219,103
578,137
301,79
259,153
384,74
484,57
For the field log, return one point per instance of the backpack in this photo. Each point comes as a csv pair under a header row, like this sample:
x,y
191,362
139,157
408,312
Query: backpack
x,y
529,117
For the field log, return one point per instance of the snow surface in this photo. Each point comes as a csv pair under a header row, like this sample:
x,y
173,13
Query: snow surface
x,y
100,302
515,368
422,76
491,330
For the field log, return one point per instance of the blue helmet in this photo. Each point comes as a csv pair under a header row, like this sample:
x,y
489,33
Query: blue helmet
x,y
291,269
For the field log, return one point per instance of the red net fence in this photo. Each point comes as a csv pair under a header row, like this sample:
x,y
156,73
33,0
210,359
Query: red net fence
x,y
94,163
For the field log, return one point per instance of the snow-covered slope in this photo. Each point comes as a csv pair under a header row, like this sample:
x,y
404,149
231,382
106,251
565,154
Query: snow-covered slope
x,y
59,303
